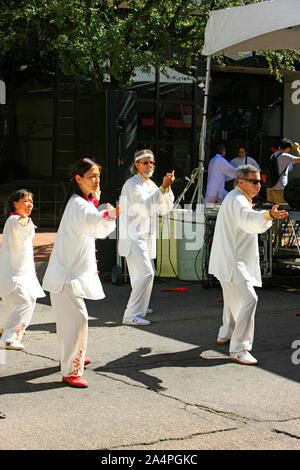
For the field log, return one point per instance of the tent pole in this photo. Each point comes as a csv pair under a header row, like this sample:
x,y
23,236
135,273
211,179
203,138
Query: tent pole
x,y
197,174
203,131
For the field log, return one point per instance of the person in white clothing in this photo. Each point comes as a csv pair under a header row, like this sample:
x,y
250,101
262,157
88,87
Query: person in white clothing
x,y
219,171
19,286
71,275
141,200
243,159
234,261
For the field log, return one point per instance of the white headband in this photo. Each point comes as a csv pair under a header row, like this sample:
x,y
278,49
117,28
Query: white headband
x,y
143,155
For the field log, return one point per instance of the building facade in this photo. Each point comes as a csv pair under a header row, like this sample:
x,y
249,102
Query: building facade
x,y
47,122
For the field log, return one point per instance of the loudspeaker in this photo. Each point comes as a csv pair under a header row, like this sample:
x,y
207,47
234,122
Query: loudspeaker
x,y
117,139
108,132
121,133
292,194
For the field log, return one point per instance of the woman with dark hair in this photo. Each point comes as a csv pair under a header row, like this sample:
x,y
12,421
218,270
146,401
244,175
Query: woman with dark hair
x,y
71,275
19,286
243,159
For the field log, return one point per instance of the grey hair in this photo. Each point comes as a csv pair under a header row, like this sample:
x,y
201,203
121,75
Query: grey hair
x,y
133,168
244,170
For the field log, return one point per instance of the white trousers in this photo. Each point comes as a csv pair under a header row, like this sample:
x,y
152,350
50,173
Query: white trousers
x,y
18,307
240,301
72,330
141,273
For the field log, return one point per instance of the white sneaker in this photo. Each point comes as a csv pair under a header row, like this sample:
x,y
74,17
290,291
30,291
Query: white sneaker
x,y
149,310
243,357
136,321
13,344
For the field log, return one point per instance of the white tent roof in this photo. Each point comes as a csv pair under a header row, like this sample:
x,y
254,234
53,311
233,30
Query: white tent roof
x,y
273,24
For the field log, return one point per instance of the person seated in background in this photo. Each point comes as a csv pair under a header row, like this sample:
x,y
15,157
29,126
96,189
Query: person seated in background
x,y
243,159
219,171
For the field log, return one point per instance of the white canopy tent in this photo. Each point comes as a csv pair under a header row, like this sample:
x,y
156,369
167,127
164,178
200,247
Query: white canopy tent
x,y
273,24
268,25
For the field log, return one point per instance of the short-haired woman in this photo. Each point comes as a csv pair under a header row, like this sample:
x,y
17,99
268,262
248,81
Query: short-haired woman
x,y
19,286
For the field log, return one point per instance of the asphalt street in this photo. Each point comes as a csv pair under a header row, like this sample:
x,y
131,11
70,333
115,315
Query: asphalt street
x,y
167,386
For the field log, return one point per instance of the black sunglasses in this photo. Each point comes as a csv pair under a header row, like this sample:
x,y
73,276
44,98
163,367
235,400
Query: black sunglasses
x,y
147,163
251,181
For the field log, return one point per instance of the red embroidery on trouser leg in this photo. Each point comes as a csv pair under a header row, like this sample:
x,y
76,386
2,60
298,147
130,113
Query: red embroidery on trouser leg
x,y
20,332
78,364
72,326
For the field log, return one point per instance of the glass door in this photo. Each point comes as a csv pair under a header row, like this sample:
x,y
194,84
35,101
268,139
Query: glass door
x,y
235,126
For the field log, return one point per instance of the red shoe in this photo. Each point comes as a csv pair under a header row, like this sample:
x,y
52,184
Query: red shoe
x,y
87,361
75,381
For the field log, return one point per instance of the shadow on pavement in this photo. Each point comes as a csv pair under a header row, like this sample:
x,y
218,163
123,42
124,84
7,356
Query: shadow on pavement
x,y
135,364
20,383
194,317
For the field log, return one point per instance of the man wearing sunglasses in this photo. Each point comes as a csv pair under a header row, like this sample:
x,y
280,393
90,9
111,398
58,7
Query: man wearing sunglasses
x,y
234,261
141,200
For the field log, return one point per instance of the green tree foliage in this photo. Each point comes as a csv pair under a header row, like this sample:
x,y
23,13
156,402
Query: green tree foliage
x,y
97,39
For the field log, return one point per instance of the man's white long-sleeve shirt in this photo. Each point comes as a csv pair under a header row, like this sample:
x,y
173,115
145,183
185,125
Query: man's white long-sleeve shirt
x,y
234,253
141,200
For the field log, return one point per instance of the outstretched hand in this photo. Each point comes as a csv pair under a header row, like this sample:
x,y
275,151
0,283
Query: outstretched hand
x,y
296,146
113,211
276,214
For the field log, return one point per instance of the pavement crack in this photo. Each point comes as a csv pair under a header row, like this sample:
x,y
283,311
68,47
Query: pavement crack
x,y
171,439
225,414
120,380
40,355
185,404
279,431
